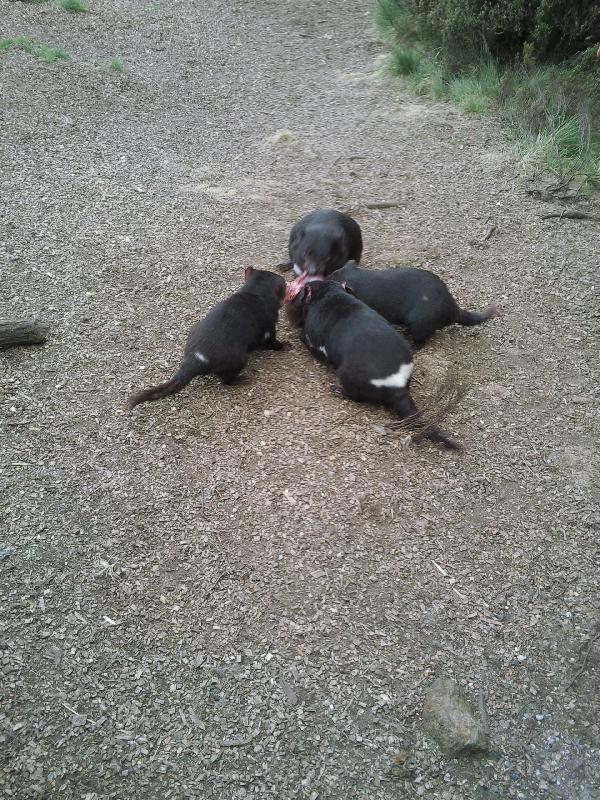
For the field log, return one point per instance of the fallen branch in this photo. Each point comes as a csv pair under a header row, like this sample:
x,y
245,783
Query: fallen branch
x,y
22,333
566,214
385,204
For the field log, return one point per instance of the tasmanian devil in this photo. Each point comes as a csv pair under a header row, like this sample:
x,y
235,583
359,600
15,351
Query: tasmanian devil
x,y
408,296
221,342
373,361
322,242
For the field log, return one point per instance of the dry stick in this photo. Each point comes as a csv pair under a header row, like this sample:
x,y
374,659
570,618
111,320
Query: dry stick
x,y
491,230
583,663
384,204
485,720
566,214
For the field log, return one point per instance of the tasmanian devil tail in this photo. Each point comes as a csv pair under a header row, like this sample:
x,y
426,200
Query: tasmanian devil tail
x,y
474,317
185,374
404,406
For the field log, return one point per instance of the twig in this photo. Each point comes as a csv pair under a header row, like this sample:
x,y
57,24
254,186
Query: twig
x,y
566,214
78,713
485,720
490,233
240,742
583,663
384,204
217,582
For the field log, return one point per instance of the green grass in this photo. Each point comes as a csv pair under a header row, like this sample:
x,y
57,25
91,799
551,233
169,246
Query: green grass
x,y
429,79
74,6
560,149
403,61
476,91
41,51
552,111
116,66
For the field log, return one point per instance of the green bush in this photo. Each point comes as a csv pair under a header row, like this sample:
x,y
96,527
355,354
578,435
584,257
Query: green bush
x,y
466,30
505,56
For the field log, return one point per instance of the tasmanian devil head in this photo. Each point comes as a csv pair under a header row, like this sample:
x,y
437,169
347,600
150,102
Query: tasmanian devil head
x,y
266,282
320,251
300,294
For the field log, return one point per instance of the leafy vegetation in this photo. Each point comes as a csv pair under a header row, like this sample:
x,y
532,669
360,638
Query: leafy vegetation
x,y
42,51
553,109
74,6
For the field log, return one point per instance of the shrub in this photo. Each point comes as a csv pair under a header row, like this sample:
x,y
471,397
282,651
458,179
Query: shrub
x,y
503,54
466,30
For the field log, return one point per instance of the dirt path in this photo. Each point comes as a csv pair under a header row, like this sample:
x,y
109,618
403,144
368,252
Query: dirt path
x,y
244,592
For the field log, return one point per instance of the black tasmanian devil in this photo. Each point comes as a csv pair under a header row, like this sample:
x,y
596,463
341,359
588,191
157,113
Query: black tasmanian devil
x,y
221,342
409,296
322,242
373,361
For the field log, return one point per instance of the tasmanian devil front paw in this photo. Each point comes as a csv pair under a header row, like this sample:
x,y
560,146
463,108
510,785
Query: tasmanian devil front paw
x,y
275,344
337,391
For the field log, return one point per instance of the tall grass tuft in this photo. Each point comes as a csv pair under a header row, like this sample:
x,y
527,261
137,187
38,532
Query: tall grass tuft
x,y
41,51
403,61
74,6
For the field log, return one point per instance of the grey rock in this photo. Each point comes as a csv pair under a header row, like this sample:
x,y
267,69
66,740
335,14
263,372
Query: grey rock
x,y
450,719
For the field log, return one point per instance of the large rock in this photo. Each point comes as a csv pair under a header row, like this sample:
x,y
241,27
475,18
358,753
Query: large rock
x,y
450,719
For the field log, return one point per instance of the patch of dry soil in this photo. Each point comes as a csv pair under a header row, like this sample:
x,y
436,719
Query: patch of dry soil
x,y
245,591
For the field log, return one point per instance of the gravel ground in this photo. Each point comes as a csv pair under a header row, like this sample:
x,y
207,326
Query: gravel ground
x,y
245,591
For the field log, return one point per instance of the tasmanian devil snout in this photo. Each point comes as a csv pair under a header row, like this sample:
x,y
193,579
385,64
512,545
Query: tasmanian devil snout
x,y
372,360
221,342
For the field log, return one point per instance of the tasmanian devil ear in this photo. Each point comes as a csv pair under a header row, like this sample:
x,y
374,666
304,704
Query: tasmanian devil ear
x,y
348,288
248,272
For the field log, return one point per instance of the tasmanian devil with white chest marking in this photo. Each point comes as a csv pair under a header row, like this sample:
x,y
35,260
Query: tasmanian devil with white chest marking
x,y
372,360
415,298
221,343
322,242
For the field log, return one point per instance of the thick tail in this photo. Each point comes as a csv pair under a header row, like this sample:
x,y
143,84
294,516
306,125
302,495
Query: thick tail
x,y
404,406
185,374
475,317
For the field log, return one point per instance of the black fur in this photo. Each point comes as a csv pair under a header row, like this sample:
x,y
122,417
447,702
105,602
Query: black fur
x,y
360,344
408,296
323,241
225,337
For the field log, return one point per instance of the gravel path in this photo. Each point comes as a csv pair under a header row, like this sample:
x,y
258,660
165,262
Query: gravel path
x,y
245,591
